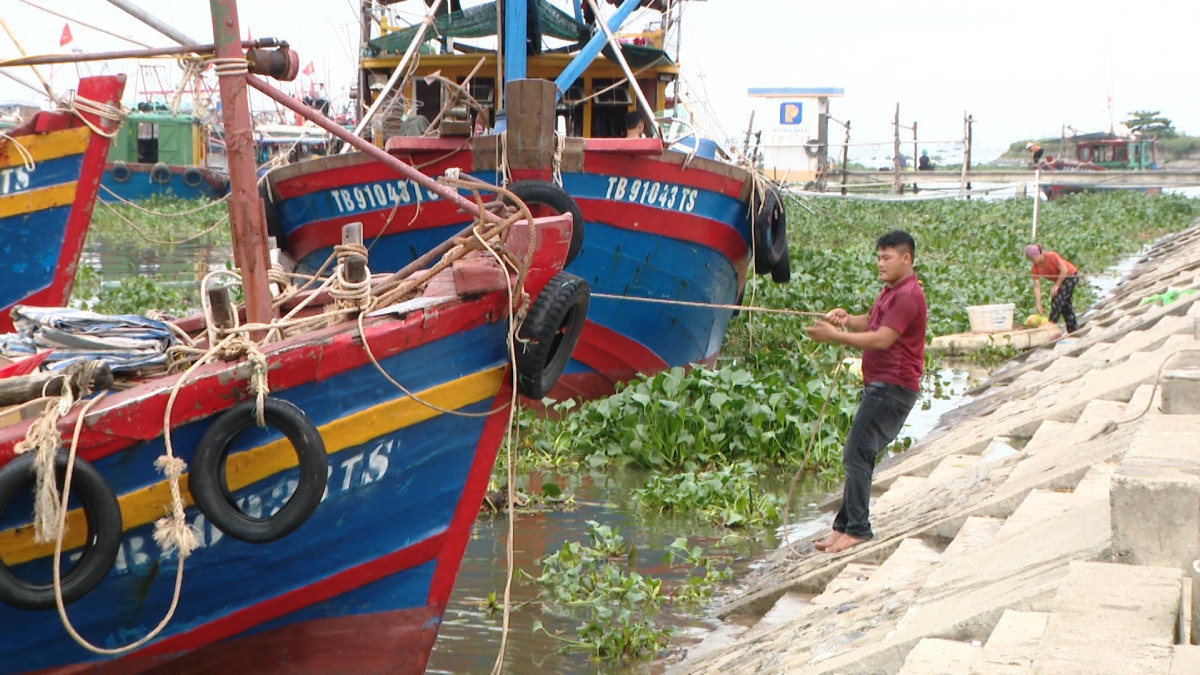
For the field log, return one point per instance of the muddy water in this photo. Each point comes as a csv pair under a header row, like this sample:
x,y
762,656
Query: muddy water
x,y
470,634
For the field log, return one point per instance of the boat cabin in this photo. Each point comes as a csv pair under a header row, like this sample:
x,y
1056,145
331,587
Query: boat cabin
x,y
594,106
152,135
1117,152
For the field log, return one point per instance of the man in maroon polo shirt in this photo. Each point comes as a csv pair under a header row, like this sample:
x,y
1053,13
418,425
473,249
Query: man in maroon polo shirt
x,y
892,339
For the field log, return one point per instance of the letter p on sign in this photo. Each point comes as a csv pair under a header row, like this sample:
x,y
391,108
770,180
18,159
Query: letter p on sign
x,y
790,113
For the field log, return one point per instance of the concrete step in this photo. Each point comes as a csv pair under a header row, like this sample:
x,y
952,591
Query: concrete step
x,y
899,493
1050,434
1156,494
1146,400
1111,618
1185,660
953,466
1095,485
1011,647
935,656
1095,416
1060,365
787,607
975,533
1038,506
908,565
845,586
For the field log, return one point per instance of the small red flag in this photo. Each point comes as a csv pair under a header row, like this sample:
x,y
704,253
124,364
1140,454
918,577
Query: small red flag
x,y
65,38
309,70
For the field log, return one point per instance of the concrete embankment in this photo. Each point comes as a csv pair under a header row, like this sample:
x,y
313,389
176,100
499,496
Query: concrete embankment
x,y
1048,526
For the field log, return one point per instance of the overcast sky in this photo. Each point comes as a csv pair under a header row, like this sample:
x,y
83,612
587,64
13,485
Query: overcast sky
x,y
1022,68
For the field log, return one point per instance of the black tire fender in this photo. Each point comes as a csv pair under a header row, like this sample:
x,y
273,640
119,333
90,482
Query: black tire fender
x,y
160,173
781,273
104,532
192,177
120,172
556,199
549,334
210,489
770,232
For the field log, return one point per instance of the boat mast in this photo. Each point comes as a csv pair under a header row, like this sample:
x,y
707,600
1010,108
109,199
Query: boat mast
x,y
246,219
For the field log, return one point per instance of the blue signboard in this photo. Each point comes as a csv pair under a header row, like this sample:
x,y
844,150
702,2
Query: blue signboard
x,y
790,112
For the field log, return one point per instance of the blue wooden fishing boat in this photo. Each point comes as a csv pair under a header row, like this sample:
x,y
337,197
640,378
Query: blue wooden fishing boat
x,y
666,234
160,153
330,528
50,170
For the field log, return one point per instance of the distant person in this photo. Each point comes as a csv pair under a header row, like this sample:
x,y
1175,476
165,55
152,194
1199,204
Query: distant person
x,y
1036,150
892,339
635,125
924,163
903,162
1050,265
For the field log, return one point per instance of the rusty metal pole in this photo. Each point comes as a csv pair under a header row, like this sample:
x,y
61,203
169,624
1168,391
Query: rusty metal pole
x,y
246,218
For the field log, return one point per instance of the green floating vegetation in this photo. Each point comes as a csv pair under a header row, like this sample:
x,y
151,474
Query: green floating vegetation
x,y
598,582
172,238
696,419
729,496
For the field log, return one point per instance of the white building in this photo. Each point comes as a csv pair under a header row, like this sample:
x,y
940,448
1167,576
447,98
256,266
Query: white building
x,y
795,130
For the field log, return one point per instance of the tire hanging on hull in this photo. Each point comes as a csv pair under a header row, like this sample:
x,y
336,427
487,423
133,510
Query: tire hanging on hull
x,y
104,531
549,334
210,489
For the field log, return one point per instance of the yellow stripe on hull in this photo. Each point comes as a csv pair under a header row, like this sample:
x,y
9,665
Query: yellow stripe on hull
x,y
44,146
147,504
36,200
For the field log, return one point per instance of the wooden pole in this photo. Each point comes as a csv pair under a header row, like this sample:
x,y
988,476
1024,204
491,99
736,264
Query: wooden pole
x,y
896,152
1037,199
966,156
247,222
970,141
845,156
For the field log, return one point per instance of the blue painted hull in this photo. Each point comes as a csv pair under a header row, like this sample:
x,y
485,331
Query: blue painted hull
x,y
683,235
179,184
394,493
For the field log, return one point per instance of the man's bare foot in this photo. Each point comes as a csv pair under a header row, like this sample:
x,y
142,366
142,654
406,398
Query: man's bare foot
x,y
844,542
825,543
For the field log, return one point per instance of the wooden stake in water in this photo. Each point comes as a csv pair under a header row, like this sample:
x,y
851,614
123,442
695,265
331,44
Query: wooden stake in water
x,y
1037,198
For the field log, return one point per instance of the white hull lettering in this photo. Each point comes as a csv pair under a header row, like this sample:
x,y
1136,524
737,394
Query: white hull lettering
x,y
651,192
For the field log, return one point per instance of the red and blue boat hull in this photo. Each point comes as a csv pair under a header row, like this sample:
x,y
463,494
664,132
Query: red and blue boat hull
x,y
657,226
362,584
45,210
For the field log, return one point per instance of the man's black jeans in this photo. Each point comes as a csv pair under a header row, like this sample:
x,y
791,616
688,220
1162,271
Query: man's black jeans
x,y
881,414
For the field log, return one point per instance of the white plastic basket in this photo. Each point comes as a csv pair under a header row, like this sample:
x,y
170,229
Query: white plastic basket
x,y
991,318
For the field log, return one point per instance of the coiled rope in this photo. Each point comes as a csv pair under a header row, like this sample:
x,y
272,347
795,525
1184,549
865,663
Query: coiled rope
x,y
79,105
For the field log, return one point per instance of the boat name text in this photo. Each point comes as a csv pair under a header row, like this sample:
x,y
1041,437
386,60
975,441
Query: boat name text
x,y
373,196
652,192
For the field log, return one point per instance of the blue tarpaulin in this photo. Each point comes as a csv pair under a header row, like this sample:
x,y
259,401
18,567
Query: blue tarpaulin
x,y
126,342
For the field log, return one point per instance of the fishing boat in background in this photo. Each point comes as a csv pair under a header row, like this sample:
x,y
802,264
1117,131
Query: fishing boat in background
x,y
50,169
1104,151
332,462
666,234
158,153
